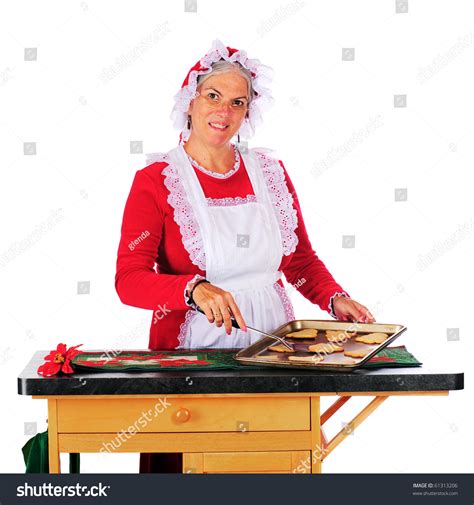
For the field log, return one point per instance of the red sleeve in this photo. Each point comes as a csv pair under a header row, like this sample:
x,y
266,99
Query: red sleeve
x,y
136,281
306,271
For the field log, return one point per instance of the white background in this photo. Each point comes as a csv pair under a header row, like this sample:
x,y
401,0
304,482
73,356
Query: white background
x,y
104,77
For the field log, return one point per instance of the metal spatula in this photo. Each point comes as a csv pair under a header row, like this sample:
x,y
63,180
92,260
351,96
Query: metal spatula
x,y
235,324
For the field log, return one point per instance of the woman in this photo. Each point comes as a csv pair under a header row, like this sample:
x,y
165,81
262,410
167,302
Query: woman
x,y
221,223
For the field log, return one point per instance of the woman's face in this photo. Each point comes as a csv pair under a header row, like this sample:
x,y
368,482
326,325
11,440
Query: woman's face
x,y
217,113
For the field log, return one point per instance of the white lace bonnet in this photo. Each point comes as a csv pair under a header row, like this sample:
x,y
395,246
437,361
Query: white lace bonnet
x,y
261,76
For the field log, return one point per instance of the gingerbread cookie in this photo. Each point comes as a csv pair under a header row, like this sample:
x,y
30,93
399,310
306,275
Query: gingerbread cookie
x,y
372,338
306,333
279,348
339,336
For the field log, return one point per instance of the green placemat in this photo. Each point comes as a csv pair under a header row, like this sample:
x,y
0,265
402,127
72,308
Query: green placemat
x,y
393,357
207,359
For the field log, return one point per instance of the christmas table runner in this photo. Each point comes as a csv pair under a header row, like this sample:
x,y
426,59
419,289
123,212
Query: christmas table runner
x,y
203,359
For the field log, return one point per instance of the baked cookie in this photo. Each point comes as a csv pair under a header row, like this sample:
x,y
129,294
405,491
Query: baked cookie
x,y
306,359
306,333
356,354
326,348
339,336
280,348
372,338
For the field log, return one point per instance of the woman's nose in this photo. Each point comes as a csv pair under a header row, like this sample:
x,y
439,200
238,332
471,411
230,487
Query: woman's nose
x,y
224,108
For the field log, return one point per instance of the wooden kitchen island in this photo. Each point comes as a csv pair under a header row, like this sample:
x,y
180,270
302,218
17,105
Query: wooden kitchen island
x,y
255,421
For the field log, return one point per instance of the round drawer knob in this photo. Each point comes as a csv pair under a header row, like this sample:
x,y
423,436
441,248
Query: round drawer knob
x,y
182,415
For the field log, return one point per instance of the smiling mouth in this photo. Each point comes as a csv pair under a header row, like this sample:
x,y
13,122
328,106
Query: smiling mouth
x,y
217,126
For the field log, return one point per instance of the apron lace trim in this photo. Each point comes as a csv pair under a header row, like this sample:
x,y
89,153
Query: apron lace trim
x,y
282,201
229,201
217,175
183,214
183,329
285,300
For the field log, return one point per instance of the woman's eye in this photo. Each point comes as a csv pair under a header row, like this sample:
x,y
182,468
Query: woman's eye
x,y
239,103
211,95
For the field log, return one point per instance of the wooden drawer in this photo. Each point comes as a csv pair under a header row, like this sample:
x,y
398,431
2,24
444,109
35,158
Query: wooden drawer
x,y
246,462
183,414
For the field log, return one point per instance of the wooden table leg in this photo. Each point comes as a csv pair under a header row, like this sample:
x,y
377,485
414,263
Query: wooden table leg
x,y
53,449
358,419
317,450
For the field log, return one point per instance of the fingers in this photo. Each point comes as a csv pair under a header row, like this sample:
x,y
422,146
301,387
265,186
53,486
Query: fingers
x,y
350,310
208,312
365,315
219,306
361,314
228,309
216,313
206,297
221,313
227,321
237,315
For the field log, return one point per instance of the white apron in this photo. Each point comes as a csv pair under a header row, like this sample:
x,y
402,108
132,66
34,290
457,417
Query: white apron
x,y
243,250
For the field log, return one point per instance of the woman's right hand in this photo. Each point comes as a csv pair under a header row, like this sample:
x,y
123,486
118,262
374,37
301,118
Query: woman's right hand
x,y
218,305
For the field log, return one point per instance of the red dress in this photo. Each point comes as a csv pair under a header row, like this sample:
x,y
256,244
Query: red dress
x,y
151,239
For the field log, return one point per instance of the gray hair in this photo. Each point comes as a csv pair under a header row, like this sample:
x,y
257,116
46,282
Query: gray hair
x,y
223,66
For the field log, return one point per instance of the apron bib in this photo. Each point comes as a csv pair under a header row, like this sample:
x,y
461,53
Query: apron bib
x,y
243,250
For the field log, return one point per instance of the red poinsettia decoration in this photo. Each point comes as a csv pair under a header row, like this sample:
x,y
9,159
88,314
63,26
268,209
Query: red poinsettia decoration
x,y
58,361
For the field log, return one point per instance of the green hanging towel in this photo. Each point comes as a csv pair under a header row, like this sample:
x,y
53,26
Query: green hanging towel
x,y
35,454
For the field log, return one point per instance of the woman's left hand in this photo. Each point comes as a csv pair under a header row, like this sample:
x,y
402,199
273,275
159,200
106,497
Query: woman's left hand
x,y
347,309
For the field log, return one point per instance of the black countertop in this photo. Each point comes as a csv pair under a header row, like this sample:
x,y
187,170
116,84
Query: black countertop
x,y
271,380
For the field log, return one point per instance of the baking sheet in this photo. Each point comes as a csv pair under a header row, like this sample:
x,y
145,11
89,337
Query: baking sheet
x,y
259,354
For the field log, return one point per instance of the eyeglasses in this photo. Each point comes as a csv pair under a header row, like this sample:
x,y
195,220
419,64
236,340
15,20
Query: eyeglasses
x,y
214,100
